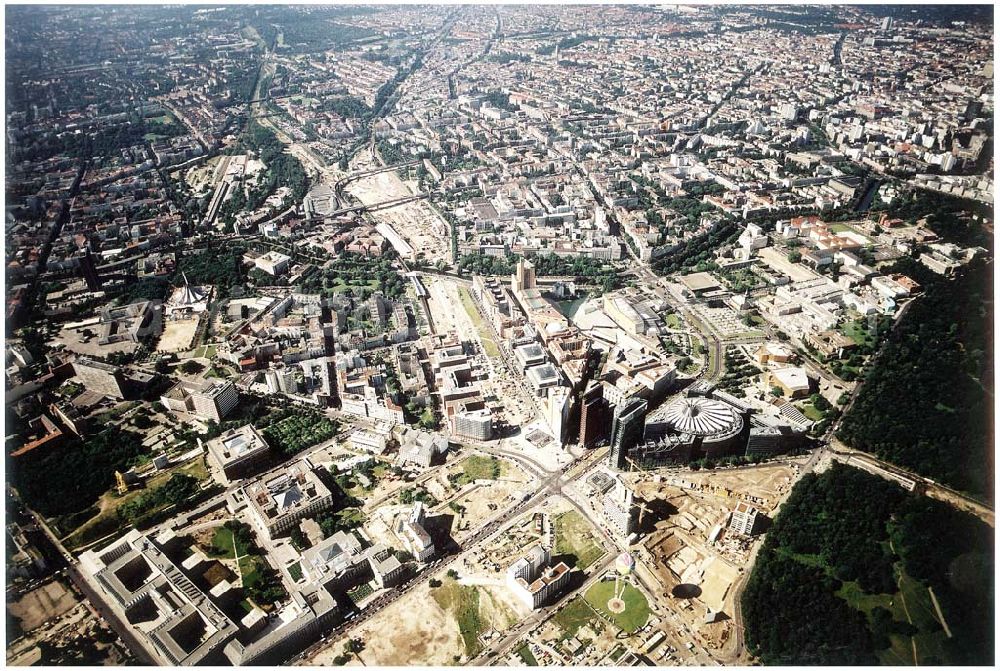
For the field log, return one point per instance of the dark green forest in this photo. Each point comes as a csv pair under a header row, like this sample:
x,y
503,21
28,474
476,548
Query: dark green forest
x,y
220,266
281,170
583,268
70,478
926,403
830,581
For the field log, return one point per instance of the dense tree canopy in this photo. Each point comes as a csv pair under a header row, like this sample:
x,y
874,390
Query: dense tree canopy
x,y
220,266
842,529
177,489
67,479
583,268
792,617
936,368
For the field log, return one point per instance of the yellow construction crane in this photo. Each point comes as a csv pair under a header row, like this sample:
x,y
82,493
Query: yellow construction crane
x,y
121,485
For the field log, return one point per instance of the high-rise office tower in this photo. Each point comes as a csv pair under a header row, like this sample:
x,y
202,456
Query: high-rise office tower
x,y
627,429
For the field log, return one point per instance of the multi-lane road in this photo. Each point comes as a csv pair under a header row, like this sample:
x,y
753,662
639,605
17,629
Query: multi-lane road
x,y
488,531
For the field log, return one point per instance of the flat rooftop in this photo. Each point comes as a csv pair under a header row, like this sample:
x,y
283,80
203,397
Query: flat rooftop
x,y
543,375
698,282
237,444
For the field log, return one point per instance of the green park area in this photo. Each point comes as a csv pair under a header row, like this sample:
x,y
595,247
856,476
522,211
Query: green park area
x,y
224,545
250,569
857,330
478,467
206,351
339,285
574,616
114,511
160,127
575,538
810,411
842,228
260,583
636,607
489,346
462,602
902,580
298,431
525,654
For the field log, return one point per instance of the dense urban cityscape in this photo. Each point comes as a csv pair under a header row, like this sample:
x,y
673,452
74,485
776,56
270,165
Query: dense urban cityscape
x,y
620,335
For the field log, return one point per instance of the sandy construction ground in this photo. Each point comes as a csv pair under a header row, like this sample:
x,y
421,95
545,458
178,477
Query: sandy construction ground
x,y
377,188
417,222
778,261
48,601
413,631
482,504
203,177
177,335
761,485
446,308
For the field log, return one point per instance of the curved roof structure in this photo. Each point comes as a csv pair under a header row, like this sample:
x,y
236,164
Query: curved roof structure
x,y
701,416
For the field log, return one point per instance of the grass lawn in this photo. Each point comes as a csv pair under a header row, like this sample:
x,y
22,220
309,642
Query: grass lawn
x,y
918,603
222,541
810,411
352,516
206,351
250,569
859,334
808,560
251,34
340,285
462,602
862,600
673,321
746,335
575,615
295,571
931,648
478,467
841,228
636,607
107,521
525,654
196,469
574,536
246,605
928,640
490,348
163,118
899,652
